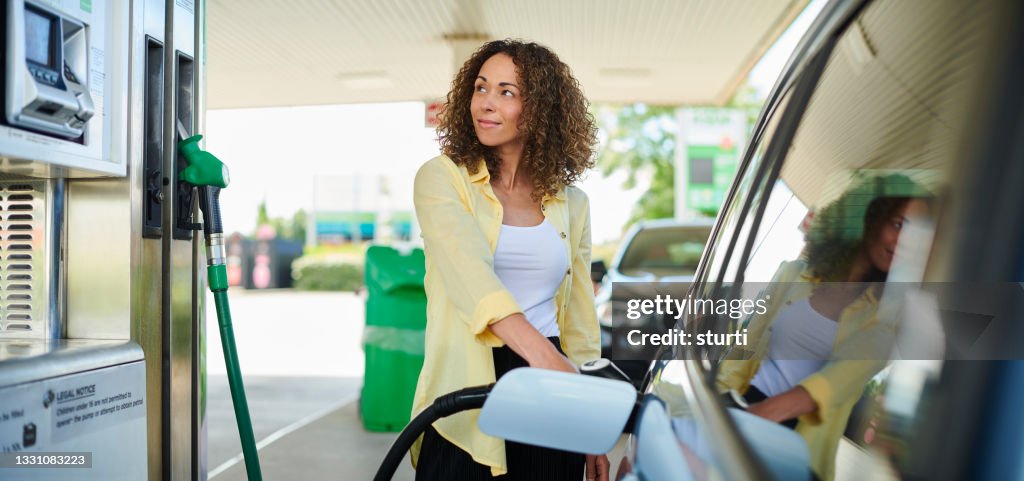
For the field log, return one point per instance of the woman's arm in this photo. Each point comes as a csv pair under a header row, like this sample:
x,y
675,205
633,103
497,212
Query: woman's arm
x,y
463,258
857,358
528,343
791,404
854,362
459,251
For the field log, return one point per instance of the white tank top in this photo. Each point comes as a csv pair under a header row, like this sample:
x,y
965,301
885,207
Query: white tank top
x,y
801,344
531,262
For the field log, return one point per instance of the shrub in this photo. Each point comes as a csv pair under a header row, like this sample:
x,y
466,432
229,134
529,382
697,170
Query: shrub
x,y
314,273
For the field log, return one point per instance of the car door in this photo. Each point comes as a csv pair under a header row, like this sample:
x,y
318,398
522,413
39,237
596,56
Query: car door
x,y
668,386
910,103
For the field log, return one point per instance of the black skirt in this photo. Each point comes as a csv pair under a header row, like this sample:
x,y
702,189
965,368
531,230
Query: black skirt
x,y
441,460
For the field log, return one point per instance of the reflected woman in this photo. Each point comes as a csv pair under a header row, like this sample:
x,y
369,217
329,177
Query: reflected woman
x,y
820,342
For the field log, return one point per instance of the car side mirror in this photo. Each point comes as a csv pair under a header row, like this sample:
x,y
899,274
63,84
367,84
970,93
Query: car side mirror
x,y
558,410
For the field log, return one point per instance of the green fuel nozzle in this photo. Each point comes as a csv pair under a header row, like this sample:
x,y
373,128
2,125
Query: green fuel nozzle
x,y
209,175
206,172
203,167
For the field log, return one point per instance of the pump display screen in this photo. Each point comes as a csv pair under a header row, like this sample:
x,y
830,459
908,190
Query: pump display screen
x,y
38,33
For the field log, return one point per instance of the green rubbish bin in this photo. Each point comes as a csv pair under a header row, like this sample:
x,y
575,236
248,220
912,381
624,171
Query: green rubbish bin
x,y
396,316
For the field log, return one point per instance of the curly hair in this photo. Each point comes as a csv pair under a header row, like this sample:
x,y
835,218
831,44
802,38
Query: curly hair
x,y
556,127
839,231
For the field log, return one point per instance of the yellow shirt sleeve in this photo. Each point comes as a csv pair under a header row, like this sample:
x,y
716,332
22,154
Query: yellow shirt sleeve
x,y
853,364
460,251
582,335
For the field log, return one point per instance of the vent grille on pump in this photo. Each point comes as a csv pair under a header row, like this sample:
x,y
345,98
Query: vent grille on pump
x,y
22,259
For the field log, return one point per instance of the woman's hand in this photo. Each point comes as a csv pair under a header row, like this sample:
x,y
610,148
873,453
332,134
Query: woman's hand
x,y
597,467
791,404
556,362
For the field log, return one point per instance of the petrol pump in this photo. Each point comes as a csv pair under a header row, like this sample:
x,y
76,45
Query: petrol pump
x,y
101,277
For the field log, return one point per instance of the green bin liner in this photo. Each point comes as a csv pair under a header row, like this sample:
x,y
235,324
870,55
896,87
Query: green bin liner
x,y
396,316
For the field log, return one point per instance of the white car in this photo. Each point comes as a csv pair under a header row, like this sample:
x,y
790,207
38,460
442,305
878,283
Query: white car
x,y
660,250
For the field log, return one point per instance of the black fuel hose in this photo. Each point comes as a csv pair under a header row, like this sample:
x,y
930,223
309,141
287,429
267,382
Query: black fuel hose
x,y
473,398
444,406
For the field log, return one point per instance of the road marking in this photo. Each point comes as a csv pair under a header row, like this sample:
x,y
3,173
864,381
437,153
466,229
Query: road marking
x,y
280,433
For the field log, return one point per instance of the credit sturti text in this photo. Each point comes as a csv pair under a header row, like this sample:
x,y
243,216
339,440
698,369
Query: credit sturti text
x,y
677,337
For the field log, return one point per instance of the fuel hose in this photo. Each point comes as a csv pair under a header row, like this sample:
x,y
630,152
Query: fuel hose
x,y
444,406
209,175
473,398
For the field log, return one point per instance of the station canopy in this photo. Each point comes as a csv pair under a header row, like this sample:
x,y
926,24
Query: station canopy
x,y
265,53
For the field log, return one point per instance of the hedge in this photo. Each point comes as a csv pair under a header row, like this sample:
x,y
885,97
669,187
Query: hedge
x,y
313,273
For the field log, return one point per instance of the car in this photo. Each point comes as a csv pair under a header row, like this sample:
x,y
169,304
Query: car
x,y
927,91
656,250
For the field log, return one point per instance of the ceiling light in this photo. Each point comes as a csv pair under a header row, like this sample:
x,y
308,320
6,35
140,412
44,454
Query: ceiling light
x,y
366,80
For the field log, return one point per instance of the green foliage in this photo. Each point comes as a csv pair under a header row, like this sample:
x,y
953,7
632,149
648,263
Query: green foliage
x,y
261,213
350,251
641,140
747,98
293,228
874,388
318,273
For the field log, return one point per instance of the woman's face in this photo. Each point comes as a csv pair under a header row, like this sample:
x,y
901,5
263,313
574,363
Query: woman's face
x,y
497,102
883,247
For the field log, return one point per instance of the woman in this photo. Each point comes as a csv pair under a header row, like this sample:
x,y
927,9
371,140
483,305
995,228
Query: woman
x,y
821,342
507,243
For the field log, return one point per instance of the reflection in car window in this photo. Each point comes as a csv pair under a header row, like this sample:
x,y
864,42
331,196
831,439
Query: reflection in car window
x,y
874,154
816,346
784,209
670,383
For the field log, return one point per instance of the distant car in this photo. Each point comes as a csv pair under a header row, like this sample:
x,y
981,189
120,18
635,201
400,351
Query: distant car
x,y
661,250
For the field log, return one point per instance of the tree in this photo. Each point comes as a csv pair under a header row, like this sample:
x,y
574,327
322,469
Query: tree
x,y
261,213
641,140
297,229
293,228
749,98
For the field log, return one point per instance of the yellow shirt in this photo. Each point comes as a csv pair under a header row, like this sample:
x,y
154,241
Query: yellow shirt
x,y
460,219
859,352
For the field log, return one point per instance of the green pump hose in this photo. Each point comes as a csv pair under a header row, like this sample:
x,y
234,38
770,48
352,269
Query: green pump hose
x,y
209,175
217,274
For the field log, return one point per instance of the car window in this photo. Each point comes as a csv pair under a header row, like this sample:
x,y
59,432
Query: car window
x,y
865,190
671,381
664,251
731,215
